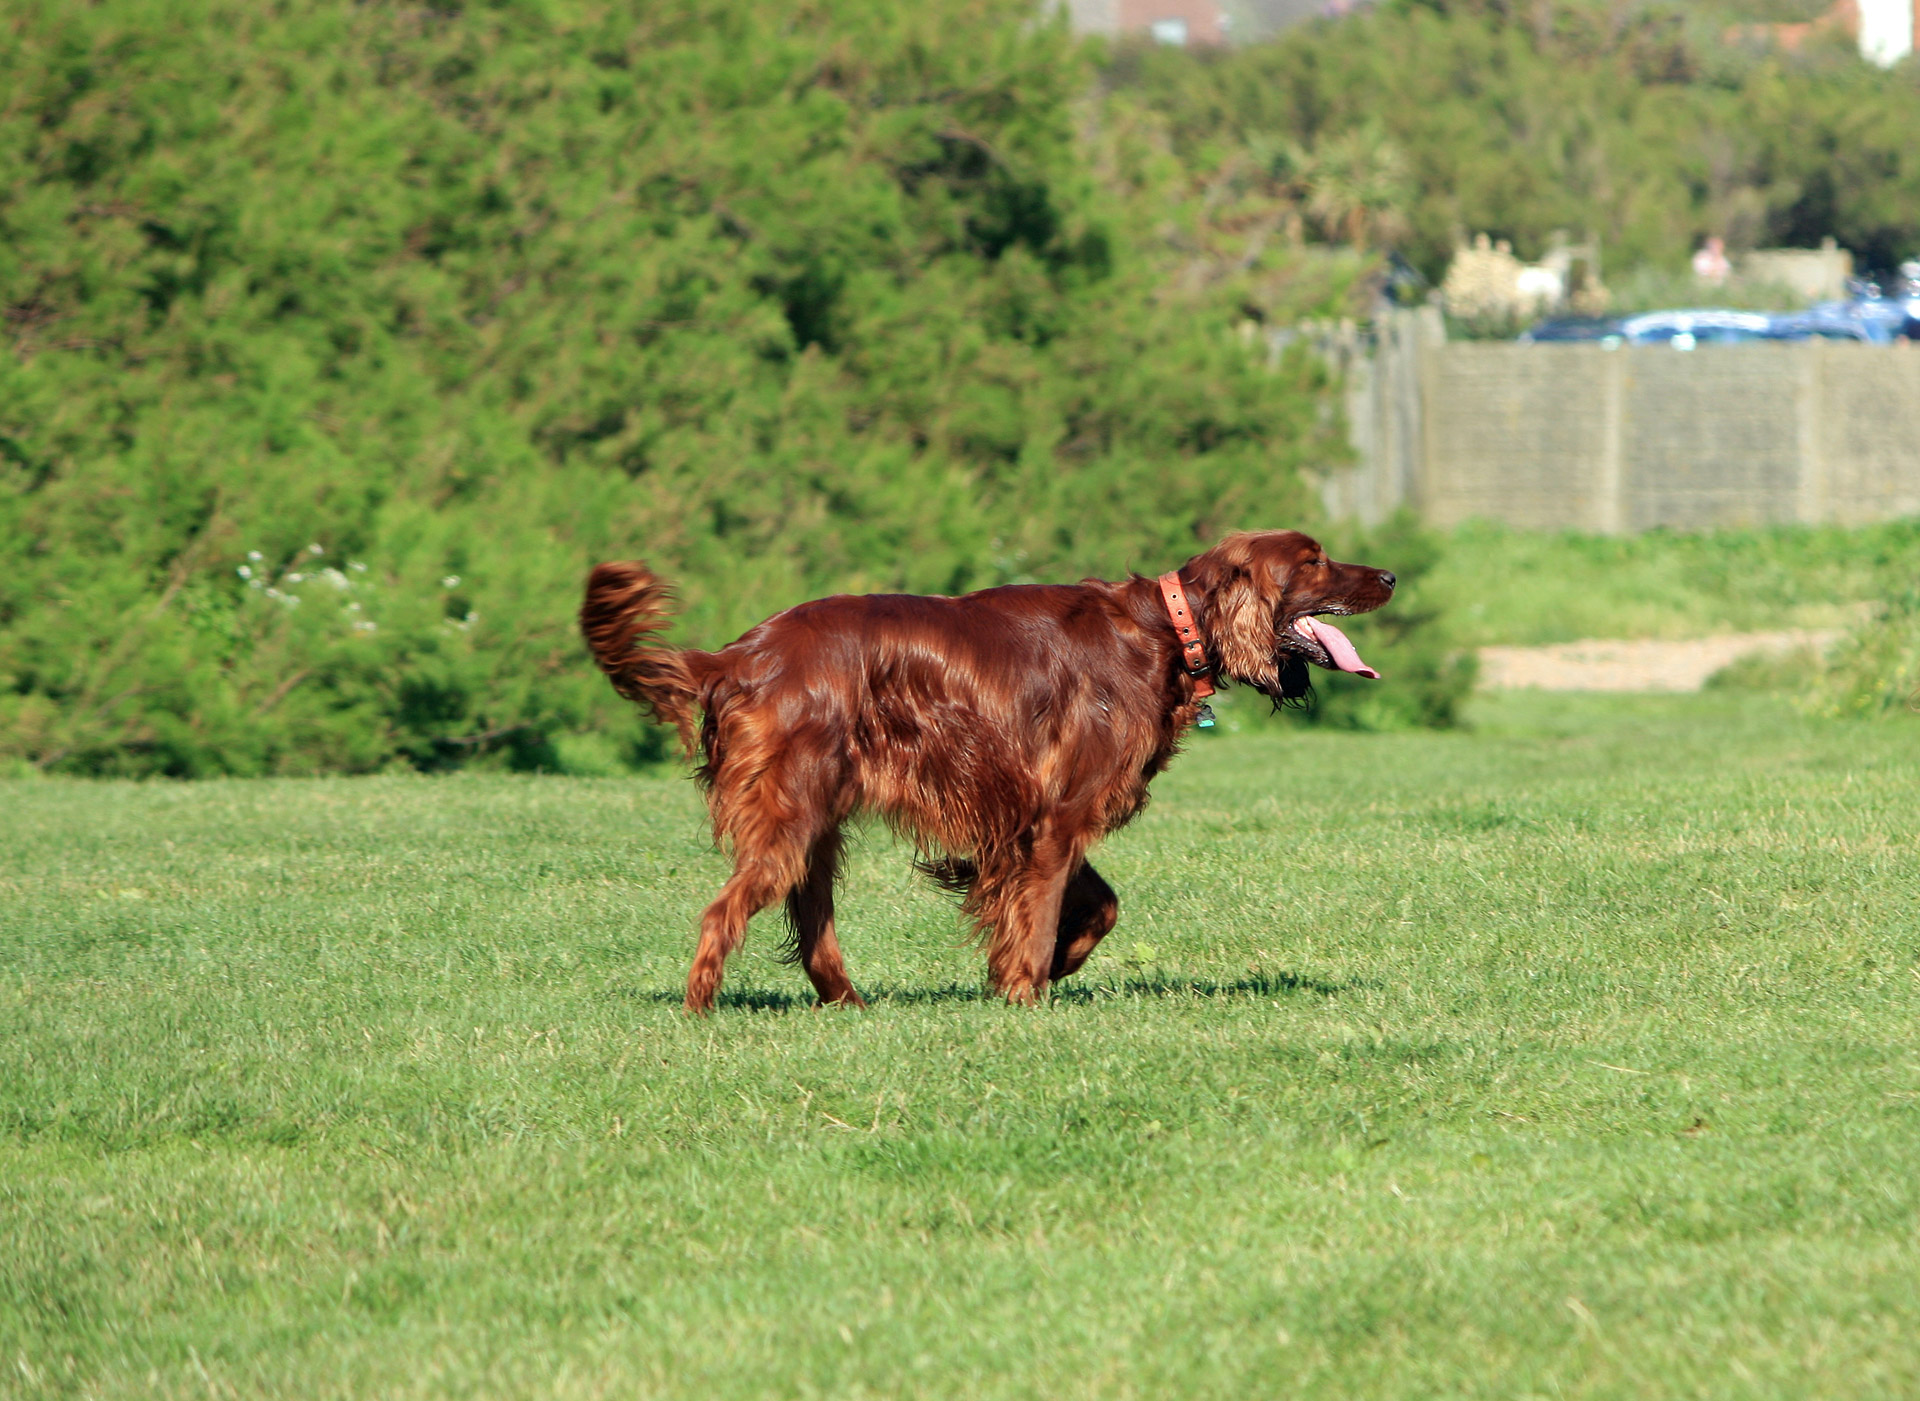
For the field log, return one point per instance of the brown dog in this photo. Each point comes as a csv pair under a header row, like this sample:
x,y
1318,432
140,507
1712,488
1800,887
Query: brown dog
x,y
1004,731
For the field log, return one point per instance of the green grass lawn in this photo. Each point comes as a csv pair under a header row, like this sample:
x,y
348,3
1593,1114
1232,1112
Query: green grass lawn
x,y
1574,1055
1500,585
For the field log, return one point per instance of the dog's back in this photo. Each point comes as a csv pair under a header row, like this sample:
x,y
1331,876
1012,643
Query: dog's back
x,y
957,719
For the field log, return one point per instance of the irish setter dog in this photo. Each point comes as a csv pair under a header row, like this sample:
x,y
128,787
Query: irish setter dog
x,y
1005,732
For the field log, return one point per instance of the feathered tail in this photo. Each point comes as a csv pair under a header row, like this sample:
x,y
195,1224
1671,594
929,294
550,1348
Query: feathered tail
x,y
625,610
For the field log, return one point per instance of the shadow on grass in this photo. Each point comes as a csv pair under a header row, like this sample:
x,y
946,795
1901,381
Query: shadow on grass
x,y
1070,993
1262,984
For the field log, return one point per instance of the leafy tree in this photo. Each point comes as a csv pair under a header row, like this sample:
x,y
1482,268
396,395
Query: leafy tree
x,y
1357,187
1649,126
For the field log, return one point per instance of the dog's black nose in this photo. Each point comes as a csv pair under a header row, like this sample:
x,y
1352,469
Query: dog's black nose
x,y
1386,577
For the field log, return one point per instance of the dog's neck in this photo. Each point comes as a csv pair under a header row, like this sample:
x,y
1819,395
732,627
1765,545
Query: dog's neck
x,y
1193,647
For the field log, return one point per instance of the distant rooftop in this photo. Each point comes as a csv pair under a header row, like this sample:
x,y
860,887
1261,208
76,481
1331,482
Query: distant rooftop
x,y
1199,23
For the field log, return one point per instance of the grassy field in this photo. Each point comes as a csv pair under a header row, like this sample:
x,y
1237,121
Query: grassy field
x,y
1573,1055
1500,585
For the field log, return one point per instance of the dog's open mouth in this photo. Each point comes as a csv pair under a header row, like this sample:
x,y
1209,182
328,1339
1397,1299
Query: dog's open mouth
x,y
1330,648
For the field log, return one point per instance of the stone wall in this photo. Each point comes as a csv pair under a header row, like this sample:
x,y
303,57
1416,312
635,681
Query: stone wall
x,y
1582,437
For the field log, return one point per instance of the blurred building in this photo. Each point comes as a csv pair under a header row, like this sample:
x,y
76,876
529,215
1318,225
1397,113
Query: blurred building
x,y
1198,23
1814,274
1884,30
1487,282
1181,23
1262,19
1887,29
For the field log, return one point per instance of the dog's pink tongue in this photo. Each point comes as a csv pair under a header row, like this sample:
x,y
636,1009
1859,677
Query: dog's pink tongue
x,y
1335,641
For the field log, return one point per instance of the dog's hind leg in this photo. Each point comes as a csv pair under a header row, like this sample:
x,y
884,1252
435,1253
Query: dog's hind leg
x,y
773,802
1088,911
759,879
767,863
810,913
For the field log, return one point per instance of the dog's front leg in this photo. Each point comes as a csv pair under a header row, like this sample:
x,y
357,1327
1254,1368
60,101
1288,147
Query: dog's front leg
x,y
1020,956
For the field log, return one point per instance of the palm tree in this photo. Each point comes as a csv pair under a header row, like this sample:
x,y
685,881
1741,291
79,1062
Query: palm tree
x,y
1357,187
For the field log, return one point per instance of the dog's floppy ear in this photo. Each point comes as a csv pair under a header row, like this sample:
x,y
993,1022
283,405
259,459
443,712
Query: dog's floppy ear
x,y
1239,594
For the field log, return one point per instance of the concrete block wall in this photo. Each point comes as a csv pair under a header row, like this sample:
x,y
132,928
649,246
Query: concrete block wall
x,y
1581,437
1868,436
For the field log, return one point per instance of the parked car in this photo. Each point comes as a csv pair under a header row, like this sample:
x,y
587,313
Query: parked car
x,y
1698,326
1894,298
1833,321
1870,317
1681,329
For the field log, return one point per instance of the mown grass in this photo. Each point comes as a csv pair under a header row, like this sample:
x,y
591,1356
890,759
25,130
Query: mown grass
x,y
1569,1056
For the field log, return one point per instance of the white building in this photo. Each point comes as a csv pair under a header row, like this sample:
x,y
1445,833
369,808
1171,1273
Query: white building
x,y
1886,30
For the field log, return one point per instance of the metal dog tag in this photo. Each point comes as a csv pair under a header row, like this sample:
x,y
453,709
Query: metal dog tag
x,y
1205,719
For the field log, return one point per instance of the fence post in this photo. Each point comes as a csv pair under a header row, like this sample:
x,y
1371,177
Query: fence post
x,y
1609,486
1810,504
1416,331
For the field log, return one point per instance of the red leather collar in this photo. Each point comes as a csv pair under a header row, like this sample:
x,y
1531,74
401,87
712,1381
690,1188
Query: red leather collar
x,y
1193,651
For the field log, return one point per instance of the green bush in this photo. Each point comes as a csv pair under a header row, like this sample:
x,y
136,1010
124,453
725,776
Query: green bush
x,y
342,338
1875,671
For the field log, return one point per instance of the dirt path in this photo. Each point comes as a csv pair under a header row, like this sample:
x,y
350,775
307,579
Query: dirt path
x,y
1635,666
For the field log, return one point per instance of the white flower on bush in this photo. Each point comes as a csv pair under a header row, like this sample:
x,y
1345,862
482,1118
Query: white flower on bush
x,y
452,581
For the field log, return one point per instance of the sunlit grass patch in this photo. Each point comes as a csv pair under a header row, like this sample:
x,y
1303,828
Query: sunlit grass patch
x,y
1571,1054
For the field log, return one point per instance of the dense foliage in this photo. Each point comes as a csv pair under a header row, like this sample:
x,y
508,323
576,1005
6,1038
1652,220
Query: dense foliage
x,y
1875,671
341,338
1645,125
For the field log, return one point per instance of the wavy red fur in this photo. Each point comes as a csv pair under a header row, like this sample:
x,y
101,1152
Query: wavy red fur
x,y
1004,731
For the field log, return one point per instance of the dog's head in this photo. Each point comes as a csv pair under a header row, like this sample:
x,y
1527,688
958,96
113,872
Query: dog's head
x,y
1261,592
